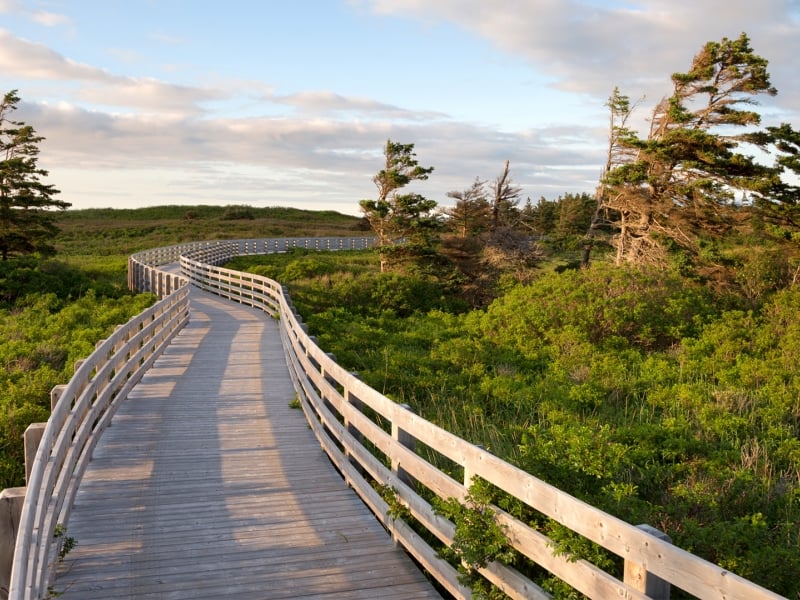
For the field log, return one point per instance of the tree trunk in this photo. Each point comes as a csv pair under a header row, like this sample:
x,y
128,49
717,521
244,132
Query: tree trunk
x,y
623,236
588,239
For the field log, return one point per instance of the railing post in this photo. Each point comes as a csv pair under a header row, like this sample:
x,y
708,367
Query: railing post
x,y
639,578
468,474
55,395
329,379
407,440
358,405
11,501
31,439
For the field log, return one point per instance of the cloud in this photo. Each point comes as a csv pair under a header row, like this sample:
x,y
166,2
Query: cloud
x,y
42,17
33,61
49,19
30,60
327,102
300,159
589,47
192,142
166,38
150,95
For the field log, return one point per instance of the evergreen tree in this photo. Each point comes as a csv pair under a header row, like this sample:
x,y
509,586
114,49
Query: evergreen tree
x,y
620,152
541,217
394,216
470,214
780,204
26,223
688,179
574,214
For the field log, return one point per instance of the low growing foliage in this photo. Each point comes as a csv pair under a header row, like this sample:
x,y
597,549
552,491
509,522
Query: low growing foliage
x,y
42,336
479,539
643,393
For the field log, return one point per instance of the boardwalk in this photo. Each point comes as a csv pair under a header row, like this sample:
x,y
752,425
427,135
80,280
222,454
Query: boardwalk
x,y
209,485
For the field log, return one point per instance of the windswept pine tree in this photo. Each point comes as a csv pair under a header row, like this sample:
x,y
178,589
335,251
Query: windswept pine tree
x,y
26,221
688,179
394,215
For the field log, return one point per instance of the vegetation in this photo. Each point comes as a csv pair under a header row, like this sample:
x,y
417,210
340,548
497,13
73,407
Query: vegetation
x,y
396,216
26,224
690,182
640,391
42,334
121,232
660,382
53,311
478,539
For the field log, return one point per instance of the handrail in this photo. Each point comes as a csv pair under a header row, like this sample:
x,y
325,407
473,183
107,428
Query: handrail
x,y
86,404
344,412
368,437
83,410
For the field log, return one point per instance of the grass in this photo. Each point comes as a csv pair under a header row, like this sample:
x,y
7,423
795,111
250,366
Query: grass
x,y
120,232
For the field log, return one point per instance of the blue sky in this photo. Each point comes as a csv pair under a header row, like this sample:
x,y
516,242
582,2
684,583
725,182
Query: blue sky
x,y
274,103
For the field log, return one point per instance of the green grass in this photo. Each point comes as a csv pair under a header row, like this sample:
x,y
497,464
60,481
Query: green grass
x,y
120,232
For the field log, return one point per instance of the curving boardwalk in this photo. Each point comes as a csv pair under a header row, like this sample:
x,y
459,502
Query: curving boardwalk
x,y
209,485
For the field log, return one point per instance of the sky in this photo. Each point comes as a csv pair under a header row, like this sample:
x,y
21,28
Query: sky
x,y
289,103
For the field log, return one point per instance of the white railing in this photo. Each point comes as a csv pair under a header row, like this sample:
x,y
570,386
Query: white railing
x,y
81,411
372,440
83,408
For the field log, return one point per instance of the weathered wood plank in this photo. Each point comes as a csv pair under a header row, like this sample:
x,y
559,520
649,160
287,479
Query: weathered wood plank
x,y
207,484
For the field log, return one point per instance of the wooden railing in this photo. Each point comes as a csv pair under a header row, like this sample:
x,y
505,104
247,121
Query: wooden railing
x,y
81,410
373,441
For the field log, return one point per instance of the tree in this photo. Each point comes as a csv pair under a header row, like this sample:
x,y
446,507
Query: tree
x,y
619,153
541,217
470,214
688,180
394,216
575,213
505,198
508,246
780,205
26,223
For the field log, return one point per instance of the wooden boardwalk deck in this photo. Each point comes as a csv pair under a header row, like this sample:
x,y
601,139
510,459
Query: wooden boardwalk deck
x,y
208,485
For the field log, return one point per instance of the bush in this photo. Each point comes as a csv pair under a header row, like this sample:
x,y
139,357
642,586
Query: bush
x,y
650,310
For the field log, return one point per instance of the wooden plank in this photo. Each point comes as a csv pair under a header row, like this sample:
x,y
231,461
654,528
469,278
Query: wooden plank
x,y
207,484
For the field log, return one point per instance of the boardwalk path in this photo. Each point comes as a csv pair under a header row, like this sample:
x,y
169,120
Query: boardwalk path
x,y
208,485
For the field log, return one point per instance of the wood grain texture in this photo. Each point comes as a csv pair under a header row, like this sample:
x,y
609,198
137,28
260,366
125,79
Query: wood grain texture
x,y
208,485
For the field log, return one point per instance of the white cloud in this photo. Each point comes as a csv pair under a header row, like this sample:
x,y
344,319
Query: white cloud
x,y
150,95
42,17
31,60
327,102
49,19
165,38
300,159
28,60
590,47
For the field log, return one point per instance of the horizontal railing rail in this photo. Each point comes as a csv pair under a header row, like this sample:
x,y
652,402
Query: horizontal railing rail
x,y
374,442
81,411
